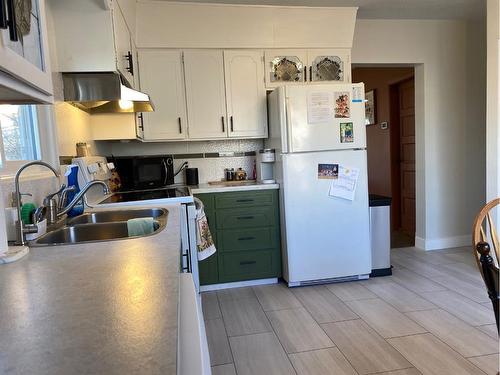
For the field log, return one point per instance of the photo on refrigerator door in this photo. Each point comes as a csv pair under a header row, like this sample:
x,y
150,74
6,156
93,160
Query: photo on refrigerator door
x,y
342,105
328,171
346,132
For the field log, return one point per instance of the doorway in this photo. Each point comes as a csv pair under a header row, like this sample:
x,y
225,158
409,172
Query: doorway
x,y
391,145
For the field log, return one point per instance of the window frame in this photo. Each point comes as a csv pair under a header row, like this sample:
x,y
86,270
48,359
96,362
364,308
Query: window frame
x,y
47,143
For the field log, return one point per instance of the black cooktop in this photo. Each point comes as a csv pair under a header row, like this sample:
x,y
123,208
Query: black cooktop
x,y
144,195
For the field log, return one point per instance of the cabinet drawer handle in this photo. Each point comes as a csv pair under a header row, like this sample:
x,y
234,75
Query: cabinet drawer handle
x,y
223,124
232,123
305,73
247,263
244,200
246,238
180,125
310,73
245,217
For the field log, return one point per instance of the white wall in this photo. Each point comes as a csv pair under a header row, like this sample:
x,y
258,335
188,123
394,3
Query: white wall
x,y
438,49
493,101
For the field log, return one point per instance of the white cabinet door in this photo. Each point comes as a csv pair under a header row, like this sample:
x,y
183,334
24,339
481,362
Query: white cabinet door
x,y
162,78
205,92
329,65
285,67
24,49
123,46
245,93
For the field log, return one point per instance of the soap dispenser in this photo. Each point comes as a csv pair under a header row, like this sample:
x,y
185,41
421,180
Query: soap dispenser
x,y
72,176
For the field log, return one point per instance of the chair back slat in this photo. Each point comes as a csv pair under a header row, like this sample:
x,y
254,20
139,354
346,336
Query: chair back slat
x,y
493,236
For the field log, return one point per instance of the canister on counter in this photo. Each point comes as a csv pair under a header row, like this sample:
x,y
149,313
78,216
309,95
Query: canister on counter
x,y
229,174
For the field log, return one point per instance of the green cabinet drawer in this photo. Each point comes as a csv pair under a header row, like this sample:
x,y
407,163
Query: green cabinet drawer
x,y
245,199
247,239
248,265
245,217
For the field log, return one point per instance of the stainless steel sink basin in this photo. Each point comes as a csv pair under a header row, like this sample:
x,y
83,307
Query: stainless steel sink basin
x,y
100,226
114,216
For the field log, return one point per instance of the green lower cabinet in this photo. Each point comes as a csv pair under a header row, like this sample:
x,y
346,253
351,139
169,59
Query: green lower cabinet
x,y
246,231
209,270
248,265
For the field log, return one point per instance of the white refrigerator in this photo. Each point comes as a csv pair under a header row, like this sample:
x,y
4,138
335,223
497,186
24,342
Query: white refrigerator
x,y
324,238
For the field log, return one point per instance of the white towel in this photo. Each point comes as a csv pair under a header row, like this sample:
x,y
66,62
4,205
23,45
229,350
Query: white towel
x,y
204,240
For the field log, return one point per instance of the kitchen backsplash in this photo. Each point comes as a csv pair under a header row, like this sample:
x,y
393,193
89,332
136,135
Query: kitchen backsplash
x,y
38,185
210,157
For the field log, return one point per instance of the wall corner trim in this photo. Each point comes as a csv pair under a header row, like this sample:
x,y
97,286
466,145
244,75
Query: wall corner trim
x,y
442,243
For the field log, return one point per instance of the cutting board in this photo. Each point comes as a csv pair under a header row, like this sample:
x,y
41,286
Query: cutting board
x,y
233,183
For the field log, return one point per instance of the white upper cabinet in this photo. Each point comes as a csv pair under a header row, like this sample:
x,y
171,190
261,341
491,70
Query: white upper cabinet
x,y
329,65
162,77
205,92
24,53
300,66
245,93
285,66
123,44
93,37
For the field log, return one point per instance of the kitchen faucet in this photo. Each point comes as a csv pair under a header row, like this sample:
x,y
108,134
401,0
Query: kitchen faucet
x,y
55,209
79,196
23,228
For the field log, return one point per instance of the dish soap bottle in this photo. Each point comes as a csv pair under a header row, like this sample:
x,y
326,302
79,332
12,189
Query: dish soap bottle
x,y
72,175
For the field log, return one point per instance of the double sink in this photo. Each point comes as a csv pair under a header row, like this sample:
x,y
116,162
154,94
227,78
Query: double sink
x,y
99,226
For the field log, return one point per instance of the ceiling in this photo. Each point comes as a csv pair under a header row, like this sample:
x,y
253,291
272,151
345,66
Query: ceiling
x,y
384,9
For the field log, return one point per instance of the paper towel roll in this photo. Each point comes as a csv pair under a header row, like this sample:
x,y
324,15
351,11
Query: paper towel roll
x,y
10,223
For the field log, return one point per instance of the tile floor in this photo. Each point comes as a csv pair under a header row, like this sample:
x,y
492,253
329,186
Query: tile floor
x,y
432,316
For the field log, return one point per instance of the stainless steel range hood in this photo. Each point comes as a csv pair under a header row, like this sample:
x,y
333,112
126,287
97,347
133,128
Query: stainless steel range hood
x,y
104,92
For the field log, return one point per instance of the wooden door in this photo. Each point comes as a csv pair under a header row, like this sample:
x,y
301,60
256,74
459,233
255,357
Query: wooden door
x,y
161,77
407,154
245,93
205,92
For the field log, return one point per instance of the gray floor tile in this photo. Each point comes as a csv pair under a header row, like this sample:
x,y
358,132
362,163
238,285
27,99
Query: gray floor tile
x,y
298,331
321,362
384,318
260,354
218,345
276,297
323,305
244,316
364,348
432,357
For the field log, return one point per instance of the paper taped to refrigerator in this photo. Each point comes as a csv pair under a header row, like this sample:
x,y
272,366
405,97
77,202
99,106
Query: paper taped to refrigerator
x,y
319,107
345,184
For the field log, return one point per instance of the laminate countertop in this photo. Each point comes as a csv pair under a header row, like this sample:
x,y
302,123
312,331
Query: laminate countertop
x,y
246,186
97,308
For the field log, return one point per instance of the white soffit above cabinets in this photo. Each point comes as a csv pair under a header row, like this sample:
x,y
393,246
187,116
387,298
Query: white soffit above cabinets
x,y
382,9
163,24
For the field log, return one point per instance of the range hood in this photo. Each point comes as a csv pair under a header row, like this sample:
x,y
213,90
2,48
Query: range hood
x,y
104,92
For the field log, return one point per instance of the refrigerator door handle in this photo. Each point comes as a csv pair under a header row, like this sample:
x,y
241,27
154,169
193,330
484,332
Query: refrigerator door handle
x,y
288,114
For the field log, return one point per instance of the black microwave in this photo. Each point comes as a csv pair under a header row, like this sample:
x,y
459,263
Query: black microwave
x,y
144,172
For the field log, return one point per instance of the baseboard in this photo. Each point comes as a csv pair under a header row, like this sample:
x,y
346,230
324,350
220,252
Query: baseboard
x,y
442,243
237,284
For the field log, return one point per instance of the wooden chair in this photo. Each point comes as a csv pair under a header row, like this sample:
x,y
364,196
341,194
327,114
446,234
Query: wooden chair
x,y
484,233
